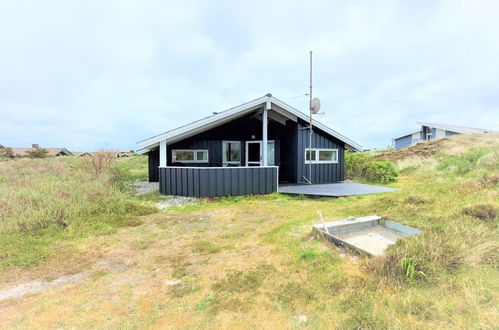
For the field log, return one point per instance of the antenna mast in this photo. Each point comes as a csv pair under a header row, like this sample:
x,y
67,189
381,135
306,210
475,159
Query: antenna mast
x,y
310,126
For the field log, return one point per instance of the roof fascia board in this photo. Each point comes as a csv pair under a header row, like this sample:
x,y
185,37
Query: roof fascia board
x,y
203,128
210,122
457,129
227,115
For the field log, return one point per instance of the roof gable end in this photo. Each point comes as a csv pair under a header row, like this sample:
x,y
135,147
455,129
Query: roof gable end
x,y
222,117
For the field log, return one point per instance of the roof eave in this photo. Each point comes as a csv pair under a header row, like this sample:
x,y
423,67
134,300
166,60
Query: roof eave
x,y
232,113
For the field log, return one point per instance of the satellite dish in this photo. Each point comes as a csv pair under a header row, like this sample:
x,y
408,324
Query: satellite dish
x,y
315,106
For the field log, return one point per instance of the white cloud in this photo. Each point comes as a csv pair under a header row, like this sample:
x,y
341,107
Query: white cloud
x,y
96,73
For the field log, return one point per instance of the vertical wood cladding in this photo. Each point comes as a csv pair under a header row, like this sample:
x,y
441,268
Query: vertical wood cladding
x,y
217,182
290,139
321,173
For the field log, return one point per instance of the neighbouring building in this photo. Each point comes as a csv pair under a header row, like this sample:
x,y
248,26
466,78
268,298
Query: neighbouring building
x,y
432,131
114,153
54,152
248,149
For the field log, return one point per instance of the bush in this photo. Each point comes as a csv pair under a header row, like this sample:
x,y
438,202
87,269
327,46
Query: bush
x,y
381,171
37,152
362,167
355,164
6,152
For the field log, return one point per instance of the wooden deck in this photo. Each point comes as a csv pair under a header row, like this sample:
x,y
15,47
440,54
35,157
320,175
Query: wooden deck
x,y
333,189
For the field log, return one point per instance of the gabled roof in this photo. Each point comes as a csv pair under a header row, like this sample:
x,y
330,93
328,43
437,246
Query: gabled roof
x,y
406,134
457,129
20,152
115,153
222,117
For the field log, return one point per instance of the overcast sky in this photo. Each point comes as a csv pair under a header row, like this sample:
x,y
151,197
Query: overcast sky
x,y
91,74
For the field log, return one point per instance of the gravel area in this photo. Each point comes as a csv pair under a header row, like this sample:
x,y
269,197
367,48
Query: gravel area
x,y
144,187
171,201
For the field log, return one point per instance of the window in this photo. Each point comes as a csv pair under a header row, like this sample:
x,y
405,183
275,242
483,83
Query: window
x,y
309,152
189,156
231,153
328,156
321,156
270,153
202,155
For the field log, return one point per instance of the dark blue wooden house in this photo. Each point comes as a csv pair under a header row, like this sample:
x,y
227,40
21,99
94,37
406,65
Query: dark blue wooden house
x,y
248,149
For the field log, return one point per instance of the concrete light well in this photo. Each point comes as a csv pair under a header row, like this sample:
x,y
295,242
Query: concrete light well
x,y
369,235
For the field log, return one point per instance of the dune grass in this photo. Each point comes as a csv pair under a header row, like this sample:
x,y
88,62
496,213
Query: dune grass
x,y
44,201
251,262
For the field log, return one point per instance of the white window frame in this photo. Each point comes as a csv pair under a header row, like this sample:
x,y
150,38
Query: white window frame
x,y
312,150
316,160
202,160
232,162
195,151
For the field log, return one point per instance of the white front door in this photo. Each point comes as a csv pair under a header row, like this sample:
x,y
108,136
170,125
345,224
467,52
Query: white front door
x,y
253,153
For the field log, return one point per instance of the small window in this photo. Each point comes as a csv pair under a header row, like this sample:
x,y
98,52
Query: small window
x,y
321,156
202,155
189,156
231,153
309,152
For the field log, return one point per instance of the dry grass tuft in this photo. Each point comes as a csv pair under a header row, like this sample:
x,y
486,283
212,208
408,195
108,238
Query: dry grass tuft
x,y
483,212
417,200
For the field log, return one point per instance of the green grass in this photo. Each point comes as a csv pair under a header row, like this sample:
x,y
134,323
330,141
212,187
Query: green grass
x,y
47,201
252,261
133,168
30,247
456,209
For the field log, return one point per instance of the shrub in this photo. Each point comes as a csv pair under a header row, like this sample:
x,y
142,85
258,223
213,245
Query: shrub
x,y
37,152
362,167
99,162
355,164
381,171
6,152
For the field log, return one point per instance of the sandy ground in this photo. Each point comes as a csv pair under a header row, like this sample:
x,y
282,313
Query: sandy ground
x,y
374,240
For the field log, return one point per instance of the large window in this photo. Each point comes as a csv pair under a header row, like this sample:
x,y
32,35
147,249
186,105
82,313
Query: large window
x,y
321,156
231,153
189,156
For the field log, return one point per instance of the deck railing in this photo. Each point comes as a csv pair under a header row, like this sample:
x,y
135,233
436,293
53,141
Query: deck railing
x,y
218,181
